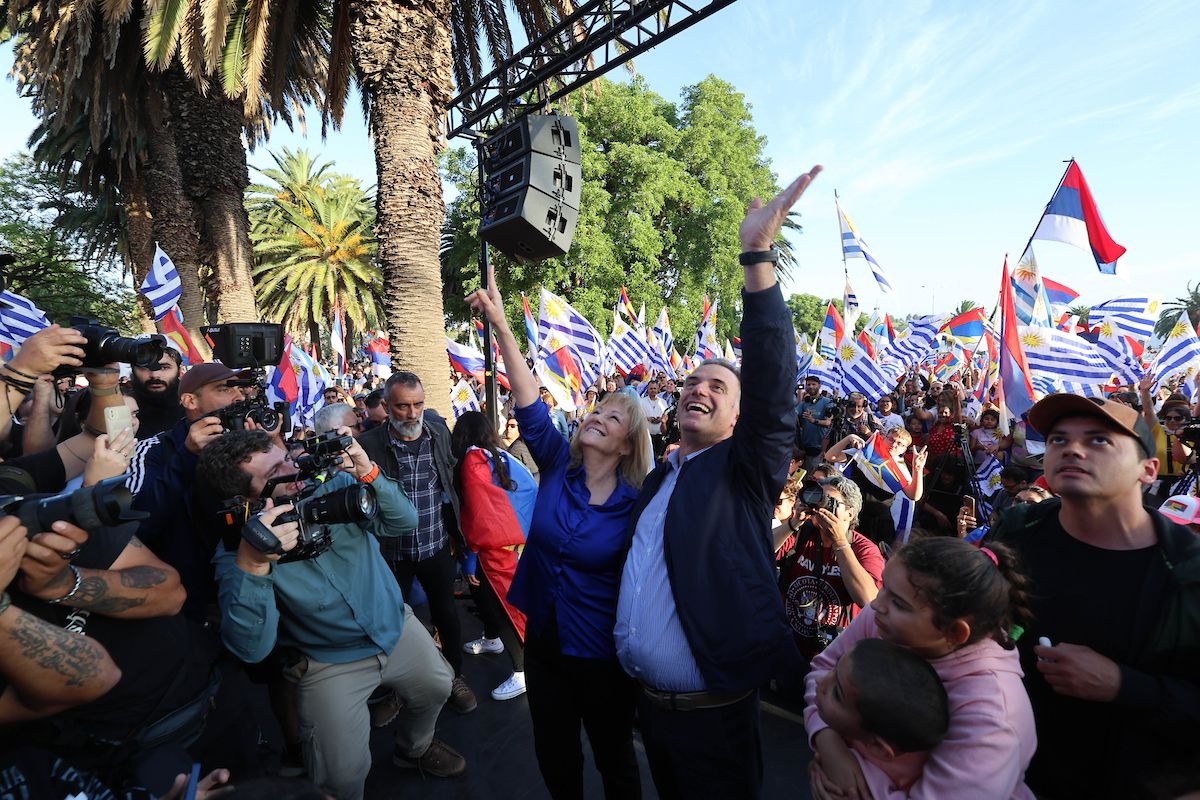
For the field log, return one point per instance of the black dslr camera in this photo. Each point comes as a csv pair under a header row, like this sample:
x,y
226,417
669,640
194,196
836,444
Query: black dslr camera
x,y
322,456
812,494
1189,434
233,416
107,503
105,345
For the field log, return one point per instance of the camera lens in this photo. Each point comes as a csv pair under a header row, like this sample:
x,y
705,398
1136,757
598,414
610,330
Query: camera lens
x,y
107,503
811,494
142,353
354,503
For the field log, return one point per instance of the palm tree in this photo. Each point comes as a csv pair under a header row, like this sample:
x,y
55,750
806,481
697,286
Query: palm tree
x,y
1188,303
965,306
312,252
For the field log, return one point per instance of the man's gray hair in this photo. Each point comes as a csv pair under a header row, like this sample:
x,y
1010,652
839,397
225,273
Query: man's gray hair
x,y
331,417
850,492
409,379
722,362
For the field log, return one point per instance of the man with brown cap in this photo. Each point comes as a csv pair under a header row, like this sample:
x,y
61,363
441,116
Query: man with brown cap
x,y
1112,658
162,475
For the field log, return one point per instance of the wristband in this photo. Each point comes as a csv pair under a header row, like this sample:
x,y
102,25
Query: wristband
x,y
74,589
842,546
91,430
22,373
5,602
105,392
759,257
372,474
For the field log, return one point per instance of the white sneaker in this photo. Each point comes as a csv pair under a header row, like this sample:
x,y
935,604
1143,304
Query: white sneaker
x,y
484,645
513,687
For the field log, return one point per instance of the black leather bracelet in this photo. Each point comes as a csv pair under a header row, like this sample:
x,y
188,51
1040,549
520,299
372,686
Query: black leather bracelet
x,y
759,257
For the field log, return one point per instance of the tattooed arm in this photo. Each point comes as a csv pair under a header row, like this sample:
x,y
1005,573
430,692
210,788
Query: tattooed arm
x,y
137,585
48,669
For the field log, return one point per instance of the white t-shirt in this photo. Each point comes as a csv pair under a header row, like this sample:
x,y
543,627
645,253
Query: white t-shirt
x,y
656,407
888,421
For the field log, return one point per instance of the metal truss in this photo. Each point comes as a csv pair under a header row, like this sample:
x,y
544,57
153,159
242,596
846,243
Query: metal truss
x,y
600,36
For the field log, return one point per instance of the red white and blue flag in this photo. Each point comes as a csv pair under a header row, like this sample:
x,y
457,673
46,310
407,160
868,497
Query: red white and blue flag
x,y
1058,294
379,351
1072,217
877,464
1016,383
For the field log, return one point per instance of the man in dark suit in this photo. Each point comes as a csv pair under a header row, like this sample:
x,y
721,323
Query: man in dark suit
x,y
700,624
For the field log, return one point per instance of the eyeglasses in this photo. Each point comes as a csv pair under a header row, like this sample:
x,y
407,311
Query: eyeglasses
x,y
1173,418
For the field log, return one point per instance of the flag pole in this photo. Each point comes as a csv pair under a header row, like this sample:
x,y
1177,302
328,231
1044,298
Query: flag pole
x,y
1057,186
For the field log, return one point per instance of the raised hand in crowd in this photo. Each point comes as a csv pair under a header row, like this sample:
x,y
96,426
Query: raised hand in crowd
x,y
489,303
109,460
761,225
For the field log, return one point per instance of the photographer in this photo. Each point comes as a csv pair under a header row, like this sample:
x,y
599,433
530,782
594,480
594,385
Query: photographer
x,y
339,616
833,571
162,479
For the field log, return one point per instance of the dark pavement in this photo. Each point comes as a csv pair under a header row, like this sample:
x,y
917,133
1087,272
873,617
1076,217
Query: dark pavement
x,y
497,741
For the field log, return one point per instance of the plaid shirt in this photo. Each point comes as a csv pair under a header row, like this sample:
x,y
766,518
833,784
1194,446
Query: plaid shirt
x,y
419,479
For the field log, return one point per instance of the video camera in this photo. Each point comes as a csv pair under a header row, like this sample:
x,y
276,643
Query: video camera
x,y
251,346
108,502
321,458
105,345
1189,434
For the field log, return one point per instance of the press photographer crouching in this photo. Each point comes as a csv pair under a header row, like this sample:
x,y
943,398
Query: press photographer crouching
x,y
334,608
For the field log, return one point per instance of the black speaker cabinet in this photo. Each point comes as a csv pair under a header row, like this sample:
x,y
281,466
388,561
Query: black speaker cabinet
x,y
529,225
548,134
559,179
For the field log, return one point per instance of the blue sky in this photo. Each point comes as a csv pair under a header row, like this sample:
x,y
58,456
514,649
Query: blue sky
x,y
944,127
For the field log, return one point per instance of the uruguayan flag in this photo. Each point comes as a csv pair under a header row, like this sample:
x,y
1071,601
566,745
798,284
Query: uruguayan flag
x,y
19,319
853,246
1180,353
1132,315
914,344
559,325
1062,356
463,399
161,286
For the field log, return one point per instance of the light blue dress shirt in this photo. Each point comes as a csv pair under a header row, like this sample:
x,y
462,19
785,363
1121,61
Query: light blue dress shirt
x,y
651,644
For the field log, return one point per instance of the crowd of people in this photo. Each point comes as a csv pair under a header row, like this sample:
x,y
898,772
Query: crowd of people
x,y
652,560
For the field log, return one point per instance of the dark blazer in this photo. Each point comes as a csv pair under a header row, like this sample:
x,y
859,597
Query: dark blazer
x,y
377,447
717,533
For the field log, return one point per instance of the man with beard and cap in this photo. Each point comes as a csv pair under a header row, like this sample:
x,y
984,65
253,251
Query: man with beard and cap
x,y
162,477
414,450
156,389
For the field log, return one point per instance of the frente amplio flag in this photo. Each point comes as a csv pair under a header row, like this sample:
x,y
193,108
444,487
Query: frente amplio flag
x,y
1072,217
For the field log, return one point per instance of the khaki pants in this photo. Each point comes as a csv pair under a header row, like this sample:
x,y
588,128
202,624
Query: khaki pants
x,y
335,724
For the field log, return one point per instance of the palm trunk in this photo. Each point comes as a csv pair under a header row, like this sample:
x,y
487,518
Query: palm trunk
x,y
401,50
176,220
208,134
139,232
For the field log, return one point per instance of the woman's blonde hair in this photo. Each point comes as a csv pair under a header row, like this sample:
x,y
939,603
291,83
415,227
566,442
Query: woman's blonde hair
x,y
634,465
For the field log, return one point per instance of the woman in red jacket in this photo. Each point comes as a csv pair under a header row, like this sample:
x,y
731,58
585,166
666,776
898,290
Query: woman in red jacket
x,y
497,494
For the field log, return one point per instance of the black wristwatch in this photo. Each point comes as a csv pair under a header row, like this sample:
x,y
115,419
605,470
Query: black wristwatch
x,y
759,257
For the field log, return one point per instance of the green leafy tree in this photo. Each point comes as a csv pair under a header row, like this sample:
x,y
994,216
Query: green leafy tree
x,y
1189,303
65,271
664,189
312,246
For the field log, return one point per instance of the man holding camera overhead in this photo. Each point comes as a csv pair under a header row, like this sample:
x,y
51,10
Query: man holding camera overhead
x,y
338,614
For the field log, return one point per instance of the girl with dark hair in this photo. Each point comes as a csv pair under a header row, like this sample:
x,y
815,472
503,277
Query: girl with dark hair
x,y
960,607
497,494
